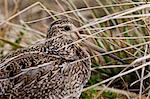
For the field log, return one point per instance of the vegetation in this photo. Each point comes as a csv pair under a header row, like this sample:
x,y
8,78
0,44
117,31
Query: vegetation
x,y
120,27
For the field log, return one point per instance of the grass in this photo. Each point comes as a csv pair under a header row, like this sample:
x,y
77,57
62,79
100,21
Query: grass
x,y
120,27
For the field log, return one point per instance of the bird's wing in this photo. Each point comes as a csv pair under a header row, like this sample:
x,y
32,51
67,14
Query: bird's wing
x,y
14,53
23,69
37,46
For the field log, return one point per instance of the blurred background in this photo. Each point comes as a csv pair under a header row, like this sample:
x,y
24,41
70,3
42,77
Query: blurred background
x,y
120,27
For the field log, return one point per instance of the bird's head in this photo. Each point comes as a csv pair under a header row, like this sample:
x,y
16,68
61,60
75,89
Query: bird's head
x,y
62,27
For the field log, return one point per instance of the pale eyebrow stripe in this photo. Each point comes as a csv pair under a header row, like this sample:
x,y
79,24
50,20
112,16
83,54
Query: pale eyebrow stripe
x,y
62,24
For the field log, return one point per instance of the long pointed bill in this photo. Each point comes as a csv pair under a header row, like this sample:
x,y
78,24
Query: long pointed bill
x,y
96,48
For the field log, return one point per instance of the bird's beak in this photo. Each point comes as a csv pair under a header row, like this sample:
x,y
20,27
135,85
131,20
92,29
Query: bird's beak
x,y
96,48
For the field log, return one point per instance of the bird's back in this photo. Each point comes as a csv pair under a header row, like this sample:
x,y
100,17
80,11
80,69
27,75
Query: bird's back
x,y
38,74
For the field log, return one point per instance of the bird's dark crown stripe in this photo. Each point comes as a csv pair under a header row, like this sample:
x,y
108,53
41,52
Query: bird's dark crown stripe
x,y
60,21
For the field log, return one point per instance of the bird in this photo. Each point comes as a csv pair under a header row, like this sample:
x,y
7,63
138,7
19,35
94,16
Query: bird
x,y
55,68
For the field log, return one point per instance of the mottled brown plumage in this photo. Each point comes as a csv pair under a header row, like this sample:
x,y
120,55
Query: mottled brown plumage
x,y
47,70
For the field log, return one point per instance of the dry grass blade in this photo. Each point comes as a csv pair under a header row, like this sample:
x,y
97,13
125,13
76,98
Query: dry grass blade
x,y
11,43
122,92
124,73
90,8
10,18
109,66
145,77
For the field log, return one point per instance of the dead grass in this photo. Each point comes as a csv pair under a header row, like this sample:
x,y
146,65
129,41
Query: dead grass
x,y
119,27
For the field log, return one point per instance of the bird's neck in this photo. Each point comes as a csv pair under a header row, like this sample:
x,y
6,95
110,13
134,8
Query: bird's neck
x,y
59,43
63,47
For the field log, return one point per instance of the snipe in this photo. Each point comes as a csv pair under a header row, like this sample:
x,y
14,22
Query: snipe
x,y
47,70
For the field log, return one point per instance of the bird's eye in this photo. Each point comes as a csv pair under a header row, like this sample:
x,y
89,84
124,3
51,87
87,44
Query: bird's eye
x,y
67,28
